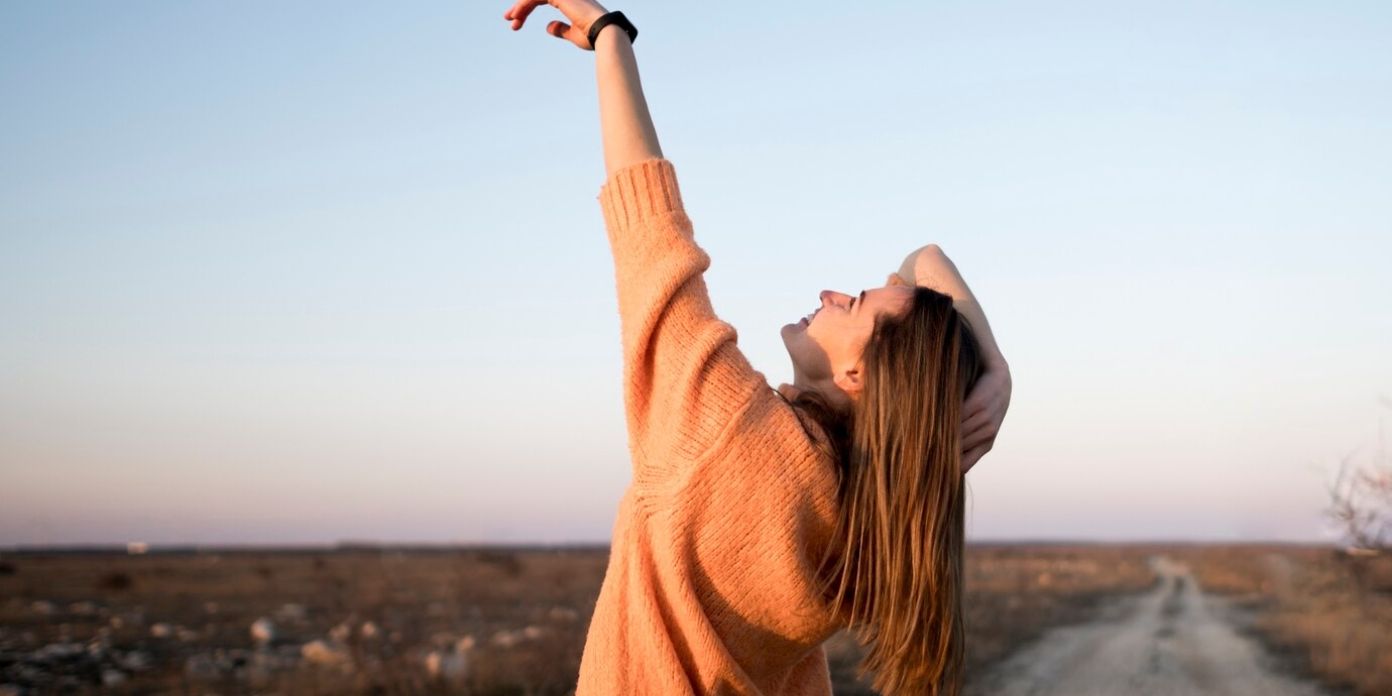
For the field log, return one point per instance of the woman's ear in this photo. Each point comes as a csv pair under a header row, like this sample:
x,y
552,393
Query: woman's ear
x,y
849,381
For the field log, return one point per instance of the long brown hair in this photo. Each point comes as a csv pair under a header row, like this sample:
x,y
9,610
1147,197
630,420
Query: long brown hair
x,y
893,569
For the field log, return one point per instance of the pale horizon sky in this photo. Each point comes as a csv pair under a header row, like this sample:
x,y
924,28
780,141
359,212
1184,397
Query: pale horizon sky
x,y
300,274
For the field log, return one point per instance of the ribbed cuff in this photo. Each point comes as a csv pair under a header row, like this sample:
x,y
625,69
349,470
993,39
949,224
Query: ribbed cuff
x,y
640,191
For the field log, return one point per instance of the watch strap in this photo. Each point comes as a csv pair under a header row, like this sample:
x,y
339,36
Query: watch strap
x,y
616,18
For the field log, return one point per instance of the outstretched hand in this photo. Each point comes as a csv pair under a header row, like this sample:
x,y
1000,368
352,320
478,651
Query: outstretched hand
x,y
984,409
581,13
983,412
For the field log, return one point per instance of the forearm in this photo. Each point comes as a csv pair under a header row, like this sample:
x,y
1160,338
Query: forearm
x,y
629,135
929,266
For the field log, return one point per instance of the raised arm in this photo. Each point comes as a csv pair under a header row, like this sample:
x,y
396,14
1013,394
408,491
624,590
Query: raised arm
x,y
629,136
985,407
685,379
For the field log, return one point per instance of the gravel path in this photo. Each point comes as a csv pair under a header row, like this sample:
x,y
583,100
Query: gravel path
x,y
1170,641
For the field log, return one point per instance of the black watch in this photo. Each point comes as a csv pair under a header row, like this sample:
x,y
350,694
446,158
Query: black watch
x,y
608,18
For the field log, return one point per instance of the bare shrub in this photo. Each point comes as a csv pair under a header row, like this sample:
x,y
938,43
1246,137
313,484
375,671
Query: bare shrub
x,y
1360,500
115,581
505,561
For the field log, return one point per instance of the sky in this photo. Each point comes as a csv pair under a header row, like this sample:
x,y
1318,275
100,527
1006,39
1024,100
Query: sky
x,y
301,273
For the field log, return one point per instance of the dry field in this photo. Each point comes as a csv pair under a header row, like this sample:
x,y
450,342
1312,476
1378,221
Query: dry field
x,y
388,621
1321,611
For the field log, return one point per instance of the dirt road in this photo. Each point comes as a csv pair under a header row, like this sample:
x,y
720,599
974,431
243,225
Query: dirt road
x,y
1171,641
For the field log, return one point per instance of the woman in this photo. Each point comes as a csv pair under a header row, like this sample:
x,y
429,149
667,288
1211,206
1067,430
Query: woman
x,y
759,521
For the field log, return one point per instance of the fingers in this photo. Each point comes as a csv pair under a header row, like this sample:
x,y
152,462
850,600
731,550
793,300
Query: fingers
x,y
978,432
976,421
519,12
558,29
984,436
970,459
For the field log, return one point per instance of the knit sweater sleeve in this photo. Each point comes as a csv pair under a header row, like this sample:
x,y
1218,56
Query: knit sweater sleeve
x,y
684,378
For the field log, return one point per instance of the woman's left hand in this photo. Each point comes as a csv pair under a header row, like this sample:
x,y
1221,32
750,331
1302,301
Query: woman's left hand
x,y
581,13
983,412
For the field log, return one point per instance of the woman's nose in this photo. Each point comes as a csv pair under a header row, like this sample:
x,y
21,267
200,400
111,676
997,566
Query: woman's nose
x,y
830,296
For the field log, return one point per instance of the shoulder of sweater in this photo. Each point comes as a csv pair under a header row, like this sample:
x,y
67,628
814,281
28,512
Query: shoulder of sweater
x,y
766,430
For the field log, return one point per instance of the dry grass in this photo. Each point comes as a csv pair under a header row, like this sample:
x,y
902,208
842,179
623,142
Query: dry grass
x,y
1325,613
423,600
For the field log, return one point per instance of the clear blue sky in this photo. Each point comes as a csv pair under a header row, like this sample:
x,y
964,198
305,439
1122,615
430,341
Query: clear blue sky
x,y
321,271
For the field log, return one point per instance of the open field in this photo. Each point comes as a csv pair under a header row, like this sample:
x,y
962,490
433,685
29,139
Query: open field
x,y
478,621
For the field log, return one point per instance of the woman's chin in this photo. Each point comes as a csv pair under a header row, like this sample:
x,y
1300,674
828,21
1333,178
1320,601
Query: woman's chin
x,y
796,327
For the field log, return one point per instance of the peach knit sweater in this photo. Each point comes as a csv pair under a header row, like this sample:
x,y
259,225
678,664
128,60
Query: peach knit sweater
x,y
709,587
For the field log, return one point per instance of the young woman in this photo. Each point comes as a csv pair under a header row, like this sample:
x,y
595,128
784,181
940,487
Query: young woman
x,y
761,521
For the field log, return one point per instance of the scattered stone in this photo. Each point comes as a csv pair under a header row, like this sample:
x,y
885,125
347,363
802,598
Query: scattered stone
x,y
369,631
57,652
134,661
563,614
507,639
83,608
161,630
341,633
450,665
112,677
291,612
263,631
42,607
325,653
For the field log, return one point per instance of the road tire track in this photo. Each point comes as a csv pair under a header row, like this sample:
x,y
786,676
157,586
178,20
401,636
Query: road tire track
x,y
1171,641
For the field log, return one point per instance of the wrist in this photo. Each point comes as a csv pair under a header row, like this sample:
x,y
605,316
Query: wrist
x,y
608,33
601,25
